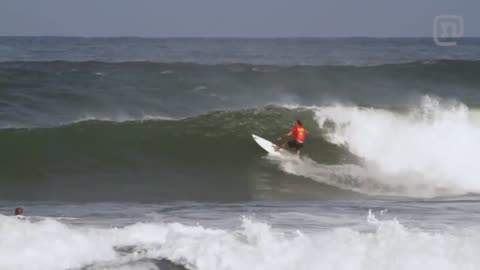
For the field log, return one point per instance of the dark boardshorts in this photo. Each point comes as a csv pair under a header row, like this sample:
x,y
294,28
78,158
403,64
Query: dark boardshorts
x,y
294,144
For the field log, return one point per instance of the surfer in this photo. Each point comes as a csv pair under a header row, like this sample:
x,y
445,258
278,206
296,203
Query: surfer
x,y
299,133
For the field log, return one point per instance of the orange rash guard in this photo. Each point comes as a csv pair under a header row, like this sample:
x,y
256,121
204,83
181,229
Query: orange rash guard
x,y
299,133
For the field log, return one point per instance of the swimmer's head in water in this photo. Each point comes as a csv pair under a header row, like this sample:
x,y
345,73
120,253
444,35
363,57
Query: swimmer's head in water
x,y
18,211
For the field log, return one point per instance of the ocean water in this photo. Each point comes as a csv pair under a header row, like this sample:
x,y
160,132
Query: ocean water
x,y
130,153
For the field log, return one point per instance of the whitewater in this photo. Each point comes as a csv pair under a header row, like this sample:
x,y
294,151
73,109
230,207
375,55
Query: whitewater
x,y
373,239
426,151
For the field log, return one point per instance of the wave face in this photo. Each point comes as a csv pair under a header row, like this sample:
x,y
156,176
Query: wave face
x,y
40,94
427,151
206,157
386,244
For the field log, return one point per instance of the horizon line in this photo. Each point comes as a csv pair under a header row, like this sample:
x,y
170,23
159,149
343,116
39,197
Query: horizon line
x,y
226,37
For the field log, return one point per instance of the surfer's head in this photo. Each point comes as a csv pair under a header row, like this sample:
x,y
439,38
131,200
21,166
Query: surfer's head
x,y
18,211
299,122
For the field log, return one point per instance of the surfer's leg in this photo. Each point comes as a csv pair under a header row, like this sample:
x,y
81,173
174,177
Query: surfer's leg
x,y
291,144
298,147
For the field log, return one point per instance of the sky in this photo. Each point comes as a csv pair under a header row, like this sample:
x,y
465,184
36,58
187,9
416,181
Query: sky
x,y
232,18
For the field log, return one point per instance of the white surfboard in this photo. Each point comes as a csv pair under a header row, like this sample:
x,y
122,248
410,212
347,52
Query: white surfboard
x,y
267,145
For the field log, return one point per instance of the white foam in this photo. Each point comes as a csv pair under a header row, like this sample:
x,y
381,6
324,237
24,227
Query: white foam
x,y
255,245
430,150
